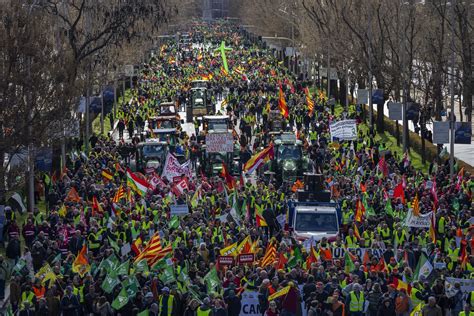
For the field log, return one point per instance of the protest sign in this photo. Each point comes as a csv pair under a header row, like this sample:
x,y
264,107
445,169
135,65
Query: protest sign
x,y
179,210
343,130
174,169
219,142
422,221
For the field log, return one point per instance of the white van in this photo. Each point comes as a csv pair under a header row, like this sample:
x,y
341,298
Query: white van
x,y
315,221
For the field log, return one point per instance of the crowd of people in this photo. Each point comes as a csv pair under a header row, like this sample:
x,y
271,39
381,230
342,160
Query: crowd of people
x,y
105,247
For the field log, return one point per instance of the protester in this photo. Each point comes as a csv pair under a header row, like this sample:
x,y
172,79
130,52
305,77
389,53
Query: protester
x,y
110,242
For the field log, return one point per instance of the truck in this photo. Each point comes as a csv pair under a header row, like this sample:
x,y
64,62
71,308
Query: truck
x,y
200,104
313,220
149,155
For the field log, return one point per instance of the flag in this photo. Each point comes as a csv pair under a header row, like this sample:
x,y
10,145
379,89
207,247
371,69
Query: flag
x,y
382,167
258,159
212,279
158,256
153,246
73,196
423,267
146,312
349,262
121,300
460,177
434,192
282,260
270,254
167,276
81,264
229,250
110,282
325,253
416,206
356,232
313,257
62,211
136,245
279,293
137,184
107,175
360,211
295,257
381,266
260,221
433,227
229,180
309,102
399,284
282,103
388,208
398,192
244,246
119,194
418,310
96,207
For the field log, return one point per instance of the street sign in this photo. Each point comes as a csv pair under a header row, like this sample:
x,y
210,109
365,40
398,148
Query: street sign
x,y
440,132
362,96
395,111
129,70
377,96
323,72
225,260
462,133
246,258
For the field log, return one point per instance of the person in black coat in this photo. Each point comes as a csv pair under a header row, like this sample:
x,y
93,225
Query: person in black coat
x,y
234,304
386,308
69,303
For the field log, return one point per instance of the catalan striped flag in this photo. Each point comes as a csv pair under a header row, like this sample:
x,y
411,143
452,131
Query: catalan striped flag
x,y
309,102
119,194
152,247
160,255
282,103
258,159
270,254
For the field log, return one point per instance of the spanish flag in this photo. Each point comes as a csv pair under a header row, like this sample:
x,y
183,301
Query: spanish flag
x,y
229,180
282,103
107,175
258,159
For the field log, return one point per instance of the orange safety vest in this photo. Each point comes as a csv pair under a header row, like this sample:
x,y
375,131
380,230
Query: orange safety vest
x,y
39,292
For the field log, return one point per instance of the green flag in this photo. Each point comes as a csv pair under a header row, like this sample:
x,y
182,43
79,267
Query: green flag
x,y
114,245
388,208
348,262
174,223
141,266
121,300
123,268
110,282
212,280
110,264
167,276
131,284
295,258
423,267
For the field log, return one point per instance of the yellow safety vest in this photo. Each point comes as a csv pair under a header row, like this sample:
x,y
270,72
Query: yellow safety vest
x,y
357,305
200,312
453,254
79,292
93,241
413,297
170,304
463,313
441,224
27,298
351,242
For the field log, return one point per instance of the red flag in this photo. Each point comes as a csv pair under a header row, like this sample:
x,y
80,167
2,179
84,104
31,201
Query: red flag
x,y
398,192
96,208
382,166
282,260
73,196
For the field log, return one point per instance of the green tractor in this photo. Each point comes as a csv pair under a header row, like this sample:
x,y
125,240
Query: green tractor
x,y
289,163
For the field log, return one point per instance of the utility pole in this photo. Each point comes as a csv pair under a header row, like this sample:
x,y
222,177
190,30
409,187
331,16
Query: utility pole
x,y
88,83
451,88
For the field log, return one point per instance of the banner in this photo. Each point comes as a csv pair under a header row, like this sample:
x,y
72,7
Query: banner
x,y
467,285
343,130
179,209
219,143
338,253
251,307
422,221
173,168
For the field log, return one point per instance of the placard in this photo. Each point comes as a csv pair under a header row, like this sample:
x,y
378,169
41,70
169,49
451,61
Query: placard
x,y
219,142
440,132
395,111
343,130
179,210
173,168
225,260
245,258
422,221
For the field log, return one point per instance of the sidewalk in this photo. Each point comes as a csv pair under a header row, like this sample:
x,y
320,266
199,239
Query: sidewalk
x,y
461,151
